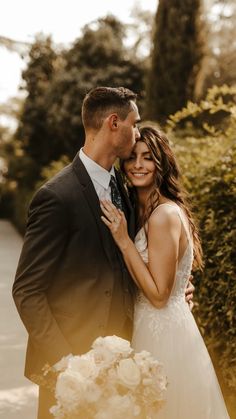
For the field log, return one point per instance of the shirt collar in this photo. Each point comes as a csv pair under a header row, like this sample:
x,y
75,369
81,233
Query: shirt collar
x,y
95,171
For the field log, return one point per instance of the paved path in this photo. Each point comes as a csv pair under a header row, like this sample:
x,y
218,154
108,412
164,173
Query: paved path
x,y
18,397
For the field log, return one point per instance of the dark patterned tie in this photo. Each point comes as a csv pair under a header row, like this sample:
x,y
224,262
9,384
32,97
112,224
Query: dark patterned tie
x,y
115,193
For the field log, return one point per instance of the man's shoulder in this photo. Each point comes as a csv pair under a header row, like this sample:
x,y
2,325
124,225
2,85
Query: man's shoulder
x,y
60,180
60,185
68,177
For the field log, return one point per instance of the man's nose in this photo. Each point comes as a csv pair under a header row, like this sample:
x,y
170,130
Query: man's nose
x,y
137,134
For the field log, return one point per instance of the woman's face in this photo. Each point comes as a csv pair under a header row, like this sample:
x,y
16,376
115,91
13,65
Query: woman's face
x,y
140,168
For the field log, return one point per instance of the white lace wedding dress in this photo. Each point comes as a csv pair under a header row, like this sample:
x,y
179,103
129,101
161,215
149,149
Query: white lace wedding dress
x,y
172,336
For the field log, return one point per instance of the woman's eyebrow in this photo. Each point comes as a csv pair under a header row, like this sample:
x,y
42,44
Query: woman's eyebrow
x,y
144,153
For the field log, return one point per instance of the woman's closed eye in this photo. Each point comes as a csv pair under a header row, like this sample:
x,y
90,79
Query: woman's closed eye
x,y
131,157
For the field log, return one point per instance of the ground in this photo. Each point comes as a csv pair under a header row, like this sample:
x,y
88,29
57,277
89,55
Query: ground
x,y
18,396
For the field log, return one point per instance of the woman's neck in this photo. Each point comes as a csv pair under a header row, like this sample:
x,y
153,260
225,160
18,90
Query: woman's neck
x,y
143,200
143,195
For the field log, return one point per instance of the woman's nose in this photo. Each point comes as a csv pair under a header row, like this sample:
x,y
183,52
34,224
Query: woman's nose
x,y
138,163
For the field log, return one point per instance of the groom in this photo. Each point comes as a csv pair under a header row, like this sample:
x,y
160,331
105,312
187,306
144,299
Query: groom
x,y
71,283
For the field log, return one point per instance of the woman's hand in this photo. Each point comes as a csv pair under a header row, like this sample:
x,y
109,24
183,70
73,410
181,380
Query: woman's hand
x,y
116,222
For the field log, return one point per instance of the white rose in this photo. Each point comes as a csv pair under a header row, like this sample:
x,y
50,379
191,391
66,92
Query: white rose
x,y
103,357
70,388
143,356
162,383
114,344
93,393
85,365
118,406
128,373
62,364
146,363
147,382
55,411
103,414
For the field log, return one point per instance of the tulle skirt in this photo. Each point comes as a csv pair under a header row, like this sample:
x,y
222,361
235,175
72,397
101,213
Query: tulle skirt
x,y
172,336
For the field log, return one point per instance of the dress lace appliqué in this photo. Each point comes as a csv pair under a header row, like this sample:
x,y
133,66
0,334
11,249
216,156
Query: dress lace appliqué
x,y
176,309
171,335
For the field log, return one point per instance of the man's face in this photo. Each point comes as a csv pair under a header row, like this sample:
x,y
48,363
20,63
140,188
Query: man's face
x,y
128,133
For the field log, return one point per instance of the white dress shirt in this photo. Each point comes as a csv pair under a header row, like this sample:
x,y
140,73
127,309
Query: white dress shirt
x,y
99,176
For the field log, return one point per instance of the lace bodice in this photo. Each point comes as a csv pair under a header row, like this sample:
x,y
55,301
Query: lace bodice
x,y
185,264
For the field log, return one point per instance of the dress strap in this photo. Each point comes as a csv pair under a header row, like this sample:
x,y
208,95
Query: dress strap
x,y
165,203
185,226
182,219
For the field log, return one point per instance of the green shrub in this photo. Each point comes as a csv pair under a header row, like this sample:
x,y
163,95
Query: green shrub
x,y
207,157
20,198
217,289
212,187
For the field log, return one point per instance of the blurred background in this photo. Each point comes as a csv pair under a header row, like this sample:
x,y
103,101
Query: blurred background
x,y
180,57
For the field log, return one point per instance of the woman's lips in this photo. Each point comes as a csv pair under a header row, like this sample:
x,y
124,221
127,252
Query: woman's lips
x,y
139,174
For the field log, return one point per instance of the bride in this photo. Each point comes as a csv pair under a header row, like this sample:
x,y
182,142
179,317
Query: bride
x,y
160,262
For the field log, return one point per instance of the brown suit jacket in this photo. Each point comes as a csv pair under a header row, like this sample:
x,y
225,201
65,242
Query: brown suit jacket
x,y
71,283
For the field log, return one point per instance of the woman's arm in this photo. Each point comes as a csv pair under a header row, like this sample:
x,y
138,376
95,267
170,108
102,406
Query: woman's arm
x,y
164,229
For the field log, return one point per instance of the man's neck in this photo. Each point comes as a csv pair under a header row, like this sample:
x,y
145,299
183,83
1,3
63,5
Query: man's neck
x,y
104,158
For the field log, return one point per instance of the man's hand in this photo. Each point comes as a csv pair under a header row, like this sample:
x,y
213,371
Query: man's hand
x,y
189,292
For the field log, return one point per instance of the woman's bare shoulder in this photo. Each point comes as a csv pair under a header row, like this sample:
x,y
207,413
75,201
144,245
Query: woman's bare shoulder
x,y
165,216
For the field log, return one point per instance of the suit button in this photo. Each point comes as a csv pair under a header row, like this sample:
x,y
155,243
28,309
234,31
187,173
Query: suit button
x,y
108,293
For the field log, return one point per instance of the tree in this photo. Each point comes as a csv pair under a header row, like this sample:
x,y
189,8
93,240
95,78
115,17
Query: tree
x,y
32,131
140,32
220,66
176,57
50,129
14,46
98,57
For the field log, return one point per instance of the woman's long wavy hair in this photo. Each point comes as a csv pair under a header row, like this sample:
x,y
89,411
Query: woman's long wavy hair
x,y
167,183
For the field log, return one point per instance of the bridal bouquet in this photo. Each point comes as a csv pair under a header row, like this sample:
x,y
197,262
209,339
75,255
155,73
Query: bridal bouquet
x,y
109,381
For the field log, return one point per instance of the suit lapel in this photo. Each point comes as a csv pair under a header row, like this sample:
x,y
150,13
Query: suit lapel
x,y
94,204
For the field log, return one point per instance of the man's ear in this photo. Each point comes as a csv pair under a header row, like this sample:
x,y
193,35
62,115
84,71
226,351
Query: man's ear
x,y
113,121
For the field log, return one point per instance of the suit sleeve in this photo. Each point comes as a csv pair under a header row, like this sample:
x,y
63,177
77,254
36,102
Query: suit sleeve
x,y
44,242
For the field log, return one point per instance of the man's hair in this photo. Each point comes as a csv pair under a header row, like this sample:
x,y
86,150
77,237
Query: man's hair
x,y
102,101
